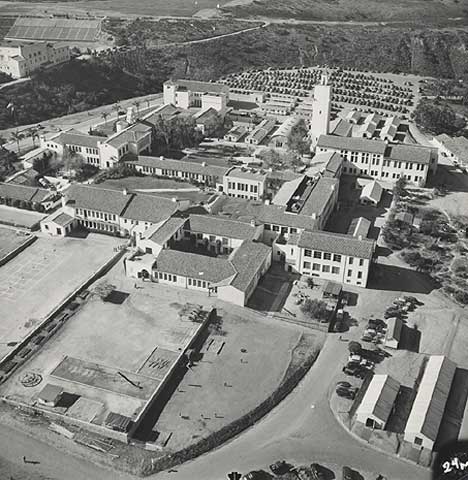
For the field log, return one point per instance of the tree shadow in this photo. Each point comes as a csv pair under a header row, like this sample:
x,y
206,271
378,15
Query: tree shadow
x,y
393,278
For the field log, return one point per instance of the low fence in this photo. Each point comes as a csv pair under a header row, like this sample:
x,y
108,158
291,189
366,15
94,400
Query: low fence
x,y
9,256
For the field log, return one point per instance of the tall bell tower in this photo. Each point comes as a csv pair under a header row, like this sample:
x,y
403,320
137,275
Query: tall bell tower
x,y
321,109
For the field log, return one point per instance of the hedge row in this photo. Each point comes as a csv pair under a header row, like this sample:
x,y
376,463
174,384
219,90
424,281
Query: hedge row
x,y
218,438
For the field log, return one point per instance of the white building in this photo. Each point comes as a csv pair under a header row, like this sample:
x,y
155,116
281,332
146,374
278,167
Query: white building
x,y
135,139
380,160
243,182
261,131
371,193
428,407
393,334
378,402
19,58
321,110
332,256
280,137
190,93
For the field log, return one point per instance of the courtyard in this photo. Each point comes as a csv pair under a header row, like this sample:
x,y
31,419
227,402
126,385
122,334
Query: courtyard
x,y
33,283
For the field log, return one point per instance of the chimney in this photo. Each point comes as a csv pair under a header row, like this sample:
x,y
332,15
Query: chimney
x,y
203,164
161,158
360,237
314,216
252,222
174,199
124,191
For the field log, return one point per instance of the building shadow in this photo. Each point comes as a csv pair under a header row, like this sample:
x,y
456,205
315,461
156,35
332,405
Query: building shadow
x,y
382,251
398,418
450,178
78,233
454,410
393,278
410,339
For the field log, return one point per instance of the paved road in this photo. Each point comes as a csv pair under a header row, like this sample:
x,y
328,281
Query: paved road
x,y
302,429
54,464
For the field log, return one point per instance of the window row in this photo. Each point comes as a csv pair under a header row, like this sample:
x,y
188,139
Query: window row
x,y
316,267
322,255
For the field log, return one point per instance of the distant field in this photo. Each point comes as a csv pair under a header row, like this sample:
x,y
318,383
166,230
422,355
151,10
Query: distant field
x,y
141,7
358,10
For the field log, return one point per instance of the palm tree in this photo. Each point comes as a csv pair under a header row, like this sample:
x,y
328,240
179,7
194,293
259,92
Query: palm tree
x,y
16,137
34,132
104,115
116,108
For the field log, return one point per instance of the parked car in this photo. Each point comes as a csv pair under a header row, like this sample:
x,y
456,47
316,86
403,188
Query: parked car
x,y
350,474
343,384
280,467
356,371
347,392
317,472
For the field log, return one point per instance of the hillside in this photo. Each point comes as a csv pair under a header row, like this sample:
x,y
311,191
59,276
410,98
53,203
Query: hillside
x,y
357,10
439,53
80,85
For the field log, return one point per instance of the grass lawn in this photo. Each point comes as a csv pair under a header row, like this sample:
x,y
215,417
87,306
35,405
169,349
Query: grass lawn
x,y
21,218
9,240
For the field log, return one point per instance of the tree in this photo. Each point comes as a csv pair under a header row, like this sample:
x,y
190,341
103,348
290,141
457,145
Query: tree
x,y
34,133
7,160
15,136
104,116
438,118
316,309
354,348
298,140
399,189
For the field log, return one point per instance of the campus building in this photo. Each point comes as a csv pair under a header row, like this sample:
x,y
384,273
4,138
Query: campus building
x,y
378,402
209,175
429,405
19,58
260,132
190,93
243,182
102,152
380,160
23,196
332,256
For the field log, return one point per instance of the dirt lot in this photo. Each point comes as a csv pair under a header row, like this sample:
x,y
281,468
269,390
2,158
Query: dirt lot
x,y
35,281
254,354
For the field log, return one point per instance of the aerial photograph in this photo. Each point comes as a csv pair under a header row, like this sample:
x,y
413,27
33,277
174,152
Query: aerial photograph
x,y
234,239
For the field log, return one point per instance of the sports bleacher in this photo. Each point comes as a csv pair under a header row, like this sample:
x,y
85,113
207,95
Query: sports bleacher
x,y
60,29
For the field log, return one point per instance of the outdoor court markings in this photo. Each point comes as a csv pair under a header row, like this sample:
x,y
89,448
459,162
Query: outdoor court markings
x,y
17,280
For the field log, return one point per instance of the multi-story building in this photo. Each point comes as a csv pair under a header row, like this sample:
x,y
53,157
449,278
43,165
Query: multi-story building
x,y
243,182
19,58
328,255
380,160
102,152
135,139
77,142
190,93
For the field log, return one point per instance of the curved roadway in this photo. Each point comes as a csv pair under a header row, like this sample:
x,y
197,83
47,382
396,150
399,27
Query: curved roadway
x,y
302,430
